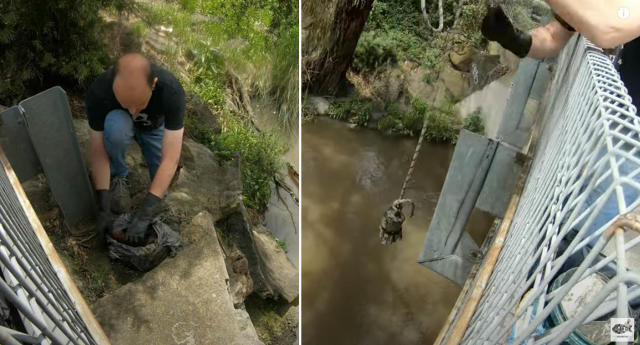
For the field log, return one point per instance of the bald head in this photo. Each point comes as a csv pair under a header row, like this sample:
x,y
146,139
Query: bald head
x,y
133,82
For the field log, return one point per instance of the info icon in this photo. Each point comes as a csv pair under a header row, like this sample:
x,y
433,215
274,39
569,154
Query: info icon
x,y
622,329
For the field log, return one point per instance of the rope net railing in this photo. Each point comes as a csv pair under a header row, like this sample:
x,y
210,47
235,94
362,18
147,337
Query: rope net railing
x,y
29,283
569,262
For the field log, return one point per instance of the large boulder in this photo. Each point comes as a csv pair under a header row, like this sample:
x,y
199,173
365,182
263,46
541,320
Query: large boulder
x,y
455,81
281,274
272,274
319,105
461,58
185,300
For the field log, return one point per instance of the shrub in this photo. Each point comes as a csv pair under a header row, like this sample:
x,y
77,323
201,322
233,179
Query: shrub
x,y
442,125
473,122
44,43
354,110
260,158
389,124
373,51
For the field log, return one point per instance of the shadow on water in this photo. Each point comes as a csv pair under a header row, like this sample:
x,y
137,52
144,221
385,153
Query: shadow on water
x,y
356,291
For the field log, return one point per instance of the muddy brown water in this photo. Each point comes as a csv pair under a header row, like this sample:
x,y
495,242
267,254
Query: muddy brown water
x,y
355,290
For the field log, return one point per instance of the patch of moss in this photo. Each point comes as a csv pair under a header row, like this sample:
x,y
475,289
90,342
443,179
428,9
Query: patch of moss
x,y
271,321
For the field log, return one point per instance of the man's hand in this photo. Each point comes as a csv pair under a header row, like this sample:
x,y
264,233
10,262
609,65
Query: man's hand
x,y
104,222
496,26
142,219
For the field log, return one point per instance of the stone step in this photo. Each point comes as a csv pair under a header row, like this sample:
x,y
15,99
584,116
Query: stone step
x,y
185,300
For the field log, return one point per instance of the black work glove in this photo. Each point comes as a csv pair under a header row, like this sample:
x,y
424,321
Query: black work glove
x,y
142,219
104,222
496,26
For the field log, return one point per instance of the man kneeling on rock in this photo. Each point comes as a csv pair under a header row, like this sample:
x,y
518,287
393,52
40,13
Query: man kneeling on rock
x,y
134,100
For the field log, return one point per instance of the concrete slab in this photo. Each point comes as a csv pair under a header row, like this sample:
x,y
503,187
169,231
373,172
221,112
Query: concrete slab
x,y
491,111
185,300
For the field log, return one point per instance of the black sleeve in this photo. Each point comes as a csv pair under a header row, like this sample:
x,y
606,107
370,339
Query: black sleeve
x,y
96,105
175,107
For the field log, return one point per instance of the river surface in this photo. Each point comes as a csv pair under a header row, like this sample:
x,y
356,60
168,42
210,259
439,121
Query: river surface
x,y
355,290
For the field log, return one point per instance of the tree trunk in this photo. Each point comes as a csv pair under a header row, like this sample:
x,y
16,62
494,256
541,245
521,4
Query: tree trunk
x,y
330,34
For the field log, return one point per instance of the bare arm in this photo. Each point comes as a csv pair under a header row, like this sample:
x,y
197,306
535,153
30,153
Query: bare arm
x,y
547,40
600,20
99,161
171,147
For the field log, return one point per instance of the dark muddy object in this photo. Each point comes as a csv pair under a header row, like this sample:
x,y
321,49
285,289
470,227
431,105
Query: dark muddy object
x,y
160,242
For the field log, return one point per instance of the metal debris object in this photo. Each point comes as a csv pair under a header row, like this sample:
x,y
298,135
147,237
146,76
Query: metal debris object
x,y
391,224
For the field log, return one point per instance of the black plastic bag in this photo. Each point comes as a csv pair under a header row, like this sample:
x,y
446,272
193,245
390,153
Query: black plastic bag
x,y
164,242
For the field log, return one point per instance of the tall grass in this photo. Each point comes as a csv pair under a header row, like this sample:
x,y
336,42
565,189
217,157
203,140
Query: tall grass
x,y
259,42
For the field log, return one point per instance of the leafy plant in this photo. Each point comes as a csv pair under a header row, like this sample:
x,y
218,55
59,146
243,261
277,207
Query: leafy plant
x,y
441,125
354,110
258,40
338,111
473,122
259,154
46,43
282,244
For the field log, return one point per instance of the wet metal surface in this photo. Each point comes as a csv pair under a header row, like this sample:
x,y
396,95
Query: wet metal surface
x,y
355,290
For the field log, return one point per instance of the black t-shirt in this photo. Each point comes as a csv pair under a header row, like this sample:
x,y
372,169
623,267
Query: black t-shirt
x,y
630,69
166,105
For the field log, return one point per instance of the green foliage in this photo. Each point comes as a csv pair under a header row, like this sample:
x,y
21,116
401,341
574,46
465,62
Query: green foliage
x,y
139,28
259,40
442,125
309,112
394,32
260,158
374,51
44,43
354,110
403,121
284,77
188,5
282,244
473,122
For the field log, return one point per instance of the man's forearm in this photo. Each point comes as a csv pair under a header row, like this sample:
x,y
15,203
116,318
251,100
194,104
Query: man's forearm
x,y
171,147
548,40
606,23
99,161
163,177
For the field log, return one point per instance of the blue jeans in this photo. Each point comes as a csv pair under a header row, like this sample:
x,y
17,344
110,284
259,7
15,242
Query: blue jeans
x,y
118,132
